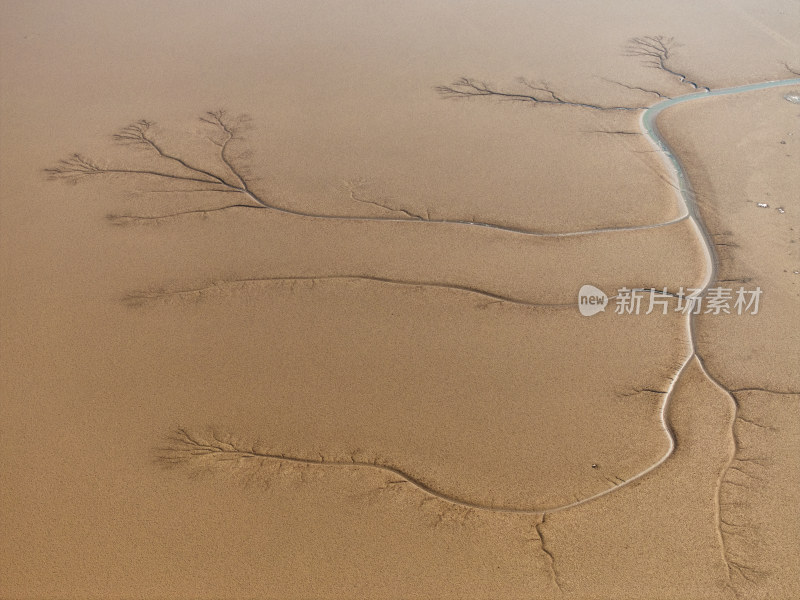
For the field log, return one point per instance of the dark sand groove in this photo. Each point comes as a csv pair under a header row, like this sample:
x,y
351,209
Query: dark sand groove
x,y
137,298
77,167
143,297
183,446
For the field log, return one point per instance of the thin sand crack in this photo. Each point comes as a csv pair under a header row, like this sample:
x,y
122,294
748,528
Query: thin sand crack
x,y
637,391
791,69
138,133
766,390
535,93
722,480
77,167
386,207
755,423
354,186
134,219
140,298
637,88
230,129
543,546
610,132
743,472
656,52
184,447
749,574
737,571
143,297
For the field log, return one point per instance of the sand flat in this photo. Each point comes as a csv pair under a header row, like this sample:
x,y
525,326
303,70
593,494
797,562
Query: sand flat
x,y
754,356
446,361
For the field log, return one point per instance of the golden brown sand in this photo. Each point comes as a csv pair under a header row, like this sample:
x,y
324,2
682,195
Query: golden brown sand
x,y
402,405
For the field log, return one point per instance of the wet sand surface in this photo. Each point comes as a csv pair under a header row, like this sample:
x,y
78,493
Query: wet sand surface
x,y
356,392
754,215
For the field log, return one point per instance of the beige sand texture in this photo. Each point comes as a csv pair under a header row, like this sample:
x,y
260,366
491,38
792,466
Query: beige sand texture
x,y
755,358
370,378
